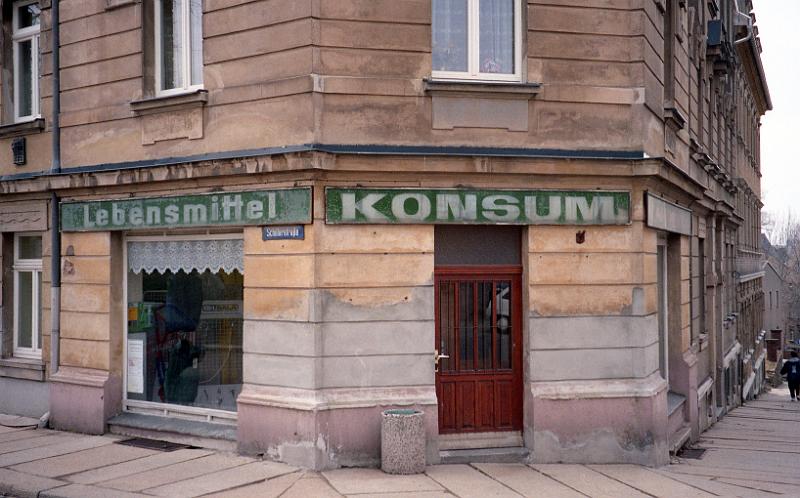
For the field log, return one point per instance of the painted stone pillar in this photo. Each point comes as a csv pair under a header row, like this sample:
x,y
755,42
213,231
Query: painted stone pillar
x,y
87,389
338,327
593,389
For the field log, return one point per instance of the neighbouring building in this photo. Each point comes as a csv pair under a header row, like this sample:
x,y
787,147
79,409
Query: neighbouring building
x,y
535,221
775,310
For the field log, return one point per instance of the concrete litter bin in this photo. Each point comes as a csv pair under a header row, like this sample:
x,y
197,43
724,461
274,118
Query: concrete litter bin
x,y
403,441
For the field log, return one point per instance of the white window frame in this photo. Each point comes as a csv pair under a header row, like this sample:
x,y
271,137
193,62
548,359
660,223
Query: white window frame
x,y
473,50
154,407
33,266
186,54
18,36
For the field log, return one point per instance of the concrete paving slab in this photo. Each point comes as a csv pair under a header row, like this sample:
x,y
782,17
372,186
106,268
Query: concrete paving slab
x,y
311,486
361,481
720,488
21,485
770,487
753,436
422,494
82,460
17,421
467,482
23,434
71,445
767,414
271,488
176,472
749,444
650,482
728,473
32,442
747,460
151,462
83,491
588,481
222,480
6,430
526,481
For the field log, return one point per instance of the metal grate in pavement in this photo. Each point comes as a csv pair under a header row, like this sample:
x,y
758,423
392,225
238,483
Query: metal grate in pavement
x,y
694,453
153,444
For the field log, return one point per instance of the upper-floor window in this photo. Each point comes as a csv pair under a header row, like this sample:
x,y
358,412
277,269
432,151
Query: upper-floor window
x,y
179,45
25,38
477,40
27,295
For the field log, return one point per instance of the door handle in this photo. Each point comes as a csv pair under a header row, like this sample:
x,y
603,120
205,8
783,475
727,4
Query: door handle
x,y
436,358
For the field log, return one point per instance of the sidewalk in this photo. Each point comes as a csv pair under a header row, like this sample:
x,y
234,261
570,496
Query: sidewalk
x,y
753,452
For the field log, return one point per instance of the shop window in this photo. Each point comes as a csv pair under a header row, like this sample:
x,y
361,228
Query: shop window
x,y
178,46
477,40
27,268
23,60
184,341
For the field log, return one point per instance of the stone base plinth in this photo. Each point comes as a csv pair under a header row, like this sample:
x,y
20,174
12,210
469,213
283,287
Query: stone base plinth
x,y
322,437
82,400
626,422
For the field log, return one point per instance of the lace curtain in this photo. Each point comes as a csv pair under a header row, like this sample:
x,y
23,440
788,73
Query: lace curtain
x,y
186,255
496,37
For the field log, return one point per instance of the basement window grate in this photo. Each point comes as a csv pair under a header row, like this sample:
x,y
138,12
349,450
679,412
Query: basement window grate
x,y
694,453
154,444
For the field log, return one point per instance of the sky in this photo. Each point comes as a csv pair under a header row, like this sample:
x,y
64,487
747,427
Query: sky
x,y
778,23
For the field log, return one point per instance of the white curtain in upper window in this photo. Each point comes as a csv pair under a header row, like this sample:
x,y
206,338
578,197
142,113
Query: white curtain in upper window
x,y
450,35
186,255
497,36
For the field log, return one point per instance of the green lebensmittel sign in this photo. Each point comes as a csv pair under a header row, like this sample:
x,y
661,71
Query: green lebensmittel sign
x,y
515,207
262,207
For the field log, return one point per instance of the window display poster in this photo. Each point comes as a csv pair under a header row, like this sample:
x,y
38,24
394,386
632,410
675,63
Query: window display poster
x,y
136,365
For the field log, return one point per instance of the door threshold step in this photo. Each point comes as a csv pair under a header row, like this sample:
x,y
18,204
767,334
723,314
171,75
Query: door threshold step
x,y
221,437
485,455
679,438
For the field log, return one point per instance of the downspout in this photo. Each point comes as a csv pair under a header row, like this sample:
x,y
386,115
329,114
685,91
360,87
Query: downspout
x,y
55,169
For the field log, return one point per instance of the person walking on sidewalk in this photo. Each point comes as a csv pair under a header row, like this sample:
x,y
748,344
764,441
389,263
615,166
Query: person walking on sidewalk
x,y
792,371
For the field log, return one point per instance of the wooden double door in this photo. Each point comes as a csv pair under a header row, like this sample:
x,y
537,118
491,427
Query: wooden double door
x,y
479,338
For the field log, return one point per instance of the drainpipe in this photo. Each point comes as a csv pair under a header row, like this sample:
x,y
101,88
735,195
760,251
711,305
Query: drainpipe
x,y
55,226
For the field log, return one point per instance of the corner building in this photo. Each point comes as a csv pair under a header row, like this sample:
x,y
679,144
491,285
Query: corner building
x,y
529,219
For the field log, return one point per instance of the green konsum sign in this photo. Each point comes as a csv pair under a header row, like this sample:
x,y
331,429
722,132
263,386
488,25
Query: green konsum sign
x,y
517,207
263,207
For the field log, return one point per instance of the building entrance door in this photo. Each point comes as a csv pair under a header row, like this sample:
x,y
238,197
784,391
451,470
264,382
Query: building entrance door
x,y
479,349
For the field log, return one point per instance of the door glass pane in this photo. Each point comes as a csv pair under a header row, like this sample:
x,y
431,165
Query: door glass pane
x,y
171,44
39,310
28,15
503,303
466,322
29,247
450,39
25,78
25,310
497,36
196,28
446,325
485,306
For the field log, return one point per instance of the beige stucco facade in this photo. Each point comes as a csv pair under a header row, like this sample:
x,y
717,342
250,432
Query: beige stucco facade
x,y
625,327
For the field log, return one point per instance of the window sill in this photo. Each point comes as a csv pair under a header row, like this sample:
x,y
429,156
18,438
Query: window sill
x,y
168,103
115,4
504,89
22,368
22,128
